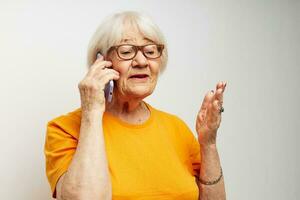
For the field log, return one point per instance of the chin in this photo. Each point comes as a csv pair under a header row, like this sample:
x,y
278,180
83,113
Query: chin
x,y
140,91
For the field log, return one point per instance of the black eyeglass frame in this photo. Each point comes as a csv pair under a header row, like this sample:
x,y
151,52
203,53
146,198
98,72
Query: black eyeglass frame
x,y
137,48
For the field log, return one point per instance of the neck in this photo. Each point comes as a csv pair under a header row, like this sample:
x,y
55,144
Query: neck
x,y
131,110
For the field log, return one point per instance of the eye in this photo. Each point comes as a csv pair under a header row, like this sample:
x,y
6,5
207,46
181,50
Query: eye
x,y
125,52
149,52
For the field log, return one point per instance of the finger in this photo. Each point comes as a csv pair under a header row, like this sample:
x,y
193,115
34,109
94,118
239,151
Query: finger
x,y
107,77
207,99
220,91
102,64
99,65
99,56
216,107
219,85
219,96
225,83
214,112
222,85
105,72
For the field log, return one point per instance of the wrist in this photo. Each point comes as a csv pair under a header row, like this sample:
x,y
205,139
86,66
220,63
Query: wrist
x,y
92,107
207,142
208,147
91,115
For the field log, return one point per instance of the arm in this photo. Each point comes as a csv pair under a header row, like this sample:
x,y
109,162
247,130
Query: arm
x,y
210,170
207,124
87,176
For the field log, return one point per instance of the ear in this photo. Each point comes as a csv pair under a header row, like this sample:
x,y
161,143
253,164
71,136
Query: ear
x,y
107,57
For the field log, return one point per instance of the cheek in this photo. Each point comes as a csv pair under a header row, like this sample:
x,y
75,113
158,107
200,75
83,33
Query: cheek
x,y
155,69
122,68
119,65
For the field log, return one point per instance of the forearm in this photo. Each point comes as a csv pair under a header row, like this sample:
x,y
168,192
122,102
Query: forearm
x,y
88,175
210,170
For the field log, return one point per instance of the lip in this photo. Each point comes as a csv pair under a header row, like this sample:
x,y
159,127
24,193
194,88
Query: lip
x,y
139,77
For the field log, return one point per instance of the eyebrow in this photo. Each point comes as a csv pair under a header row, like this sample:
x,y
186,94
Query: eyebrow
x,y
127,40
130,39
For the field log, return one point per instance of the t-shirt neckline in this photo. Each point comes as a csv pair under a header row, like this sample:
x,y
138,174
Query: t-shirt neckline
x,y
135,126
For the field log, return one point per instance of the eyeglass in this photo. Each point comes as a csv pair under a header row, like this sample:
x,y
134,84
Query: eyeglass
x,y
128,51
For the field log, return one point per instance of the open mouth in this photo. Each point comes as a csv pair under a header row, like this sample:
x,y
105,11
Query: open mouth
x,y
140,76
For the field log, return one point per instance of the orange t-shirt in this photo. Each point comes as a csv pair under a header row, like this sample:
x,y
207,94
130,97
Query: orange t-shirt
x,y
158,159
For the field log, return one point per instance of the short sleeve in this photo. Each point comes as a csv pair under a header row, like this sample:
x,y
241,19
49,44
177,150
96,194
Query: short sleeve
x,y
193,148
59,149
195,157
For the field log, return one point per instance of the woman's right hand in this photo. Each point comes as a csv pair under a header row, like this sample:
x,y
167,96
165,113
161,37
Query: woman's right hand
x,y
92,86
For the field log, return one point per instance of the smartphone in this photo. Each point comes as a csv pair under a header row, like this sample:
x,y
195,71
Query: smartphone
x,y
109,87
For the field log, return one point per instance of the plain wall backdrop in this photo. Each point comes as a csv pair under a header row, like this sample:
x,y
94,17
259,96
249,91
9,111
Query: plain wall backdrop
x,y
254,45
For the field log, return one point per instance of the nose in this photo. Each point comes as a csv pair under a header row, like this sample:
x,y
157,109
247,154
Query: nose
x,y
139,60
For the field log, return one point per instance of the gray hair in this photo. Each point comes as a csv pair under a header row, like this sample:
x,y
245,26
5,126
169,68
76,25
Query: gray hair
x,y
110,33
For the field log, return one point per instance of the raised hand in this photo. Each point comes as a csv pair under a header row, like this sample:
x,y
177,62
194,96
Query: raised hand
x,y
92,86
209,116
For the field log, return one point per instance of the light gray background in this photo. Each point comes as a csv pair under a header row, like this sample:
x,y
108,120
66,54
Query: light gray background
x,y
254,45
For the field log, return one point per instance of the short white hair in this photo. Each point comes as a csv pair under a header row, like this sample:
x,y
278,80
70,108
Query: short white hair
x,y
110,33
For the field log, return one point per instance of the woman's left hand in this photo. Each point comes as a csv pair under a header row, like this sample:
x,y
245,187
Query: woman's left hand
x,y
209,116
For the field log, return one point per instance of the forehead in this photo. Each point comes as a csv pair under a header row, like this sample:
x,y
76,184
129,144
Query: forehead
x,y
133,35
137,41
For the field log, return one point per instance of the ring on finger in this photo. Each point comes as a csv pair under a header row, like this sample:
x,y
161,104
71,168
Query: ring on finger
x,y
221,110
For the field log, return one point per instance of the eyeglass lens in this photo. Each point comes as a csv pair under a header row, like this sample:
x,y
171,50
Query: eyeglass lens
x,y
129,51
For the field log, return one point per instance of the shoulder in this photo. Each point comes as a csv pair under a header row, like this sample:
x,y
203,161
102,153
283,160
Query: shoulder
x,y
176,127
67,118
168,117
67,123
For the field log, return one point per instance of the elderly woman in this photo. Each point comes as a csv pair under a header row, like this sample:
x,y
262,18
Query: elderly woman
x,y
127,149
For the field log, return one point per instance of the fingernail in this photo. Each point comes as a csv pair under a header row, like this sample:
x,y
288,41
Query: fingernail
x,y
99,55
